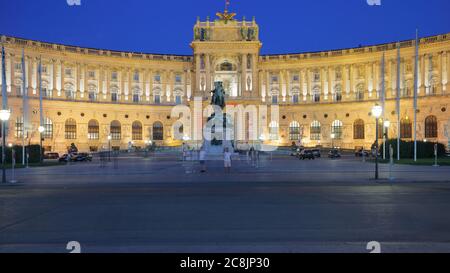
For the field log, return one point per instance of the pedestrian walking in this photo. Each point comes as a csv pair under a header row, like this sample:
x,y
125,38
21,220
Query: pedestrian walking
x,y
202,158
227,160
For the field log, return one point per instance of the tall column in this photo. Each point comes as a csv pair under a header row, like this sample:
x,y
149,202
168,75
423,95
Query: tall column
x,y
85,81
29,68
330,81
441,72
34,76
447,68
367,68
262,86
347,82
150,83
208,72
324,83
308,84
188,83
243,75
352,79
255,79
268,85
107,87
303,88
61,78
12,70
288,86
130,85
169,81
197,74
420,74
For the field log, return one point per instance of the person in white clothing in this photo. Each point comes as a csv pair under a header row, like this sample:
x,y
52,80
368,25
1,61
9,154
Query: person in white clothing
x,y
227,160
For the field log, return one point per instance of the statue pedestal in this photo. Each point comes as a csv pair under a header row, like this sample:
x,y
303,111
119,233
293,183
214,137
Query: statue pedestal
x,y
215,152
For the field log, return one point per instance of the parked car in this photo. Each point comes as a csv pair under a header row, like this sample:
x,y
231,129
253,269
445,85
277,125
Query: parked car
x,y
51,156
334,154
83,157
306,154
360,152
316,153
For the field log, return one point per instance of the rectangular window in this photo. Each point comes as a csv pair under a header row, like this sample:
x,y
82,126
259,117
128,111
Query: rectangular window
x,y
18,67
68,72
274,79
157,79
178,100
136,76
19,128
274,99
114,76
157,99
296,78
295,99
44,69
136,98
92,96
91,74
178,79
114,97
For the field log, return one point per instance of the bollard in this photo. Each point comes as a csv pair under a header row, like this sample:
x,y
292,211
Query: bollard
x,y
13,179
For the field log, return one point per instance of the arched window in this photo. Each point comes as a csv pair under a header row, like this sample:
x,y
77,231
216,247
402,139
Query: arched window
x,y
273,130
405,128
315,132
336,129
93,130
116,130
48,129
19,127
294,131
358,129
71,129
158,131
137,130
431,128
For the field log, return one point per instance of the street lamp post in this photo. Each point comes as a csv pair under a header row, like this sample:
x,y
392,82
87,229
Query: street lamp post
x,y
386,125
376,112
41,131
4,117
109,147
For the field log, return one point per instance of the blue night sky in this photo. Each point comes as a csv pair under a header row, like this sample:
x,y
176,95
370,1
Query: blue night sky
x,y
286,26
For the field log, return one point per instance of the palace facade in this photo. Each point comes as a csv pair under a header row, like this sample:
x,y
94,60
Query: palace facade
x,y
94,96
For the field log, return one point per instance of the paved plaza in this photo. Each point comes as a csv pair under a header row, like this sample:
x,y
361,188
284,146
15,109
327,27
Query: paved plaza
x,y
162,204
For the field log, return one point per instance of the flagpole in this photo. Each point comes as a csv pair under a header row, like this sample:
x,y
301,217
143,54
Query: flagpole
x,y
25,107
382,97
4,120
416,69
41,115
398,102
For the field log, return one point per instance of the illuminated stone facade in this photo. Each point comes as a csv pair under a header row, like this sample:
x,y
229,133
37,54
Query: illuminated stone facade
x,y
90,94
